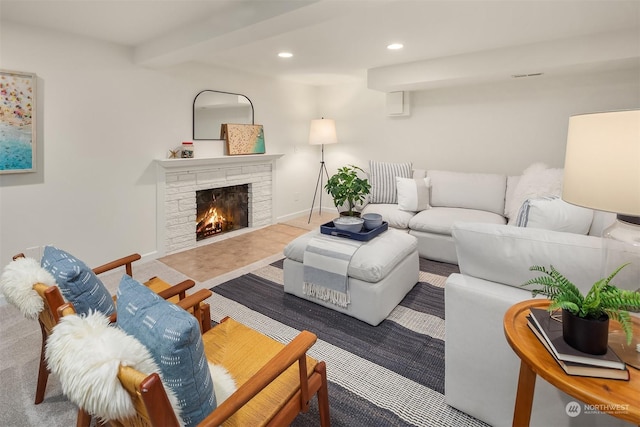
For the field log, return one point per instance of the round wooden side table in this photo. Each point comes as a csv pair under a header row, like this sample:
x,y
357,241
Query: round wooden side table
x,y
620,399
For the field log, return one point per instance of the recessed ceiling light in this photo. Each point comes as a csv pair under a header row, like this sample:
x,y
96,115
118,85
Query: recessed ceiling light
x,y
285,54
395,46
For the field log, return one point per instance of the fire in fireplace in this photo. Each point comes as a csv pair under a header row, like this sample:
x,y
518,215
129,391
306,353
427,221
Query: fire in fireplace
x,y
220,210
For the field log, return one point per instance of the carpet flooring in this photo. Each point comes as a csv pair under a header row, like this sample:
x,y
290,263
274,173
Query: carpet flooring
x,y
388,375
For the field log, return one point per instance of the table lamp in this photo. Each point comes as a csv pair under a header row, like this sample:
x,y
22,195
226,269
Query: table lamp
x,y
322,131
602,172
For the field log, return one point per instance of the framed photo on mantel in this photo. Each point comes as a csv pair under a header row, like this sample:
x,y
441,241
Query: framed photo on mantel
x,y
243,139
17,122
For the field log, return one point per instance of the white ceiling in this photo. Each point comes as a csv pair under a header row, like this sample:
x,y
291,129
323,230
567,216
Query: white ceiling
x,y
332,40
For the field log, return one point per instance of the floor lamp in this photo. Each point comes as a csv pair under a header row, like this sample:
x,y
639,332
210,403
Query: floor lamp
x,y
602,172
323,131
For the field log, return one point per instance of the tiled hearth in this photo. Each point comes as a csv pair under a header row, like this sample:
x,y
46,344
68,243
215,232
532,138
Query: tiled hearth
x,y
179,179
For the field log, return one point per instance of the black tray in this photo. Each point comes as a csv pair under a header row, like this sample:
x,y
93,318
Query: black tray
x,y
330,229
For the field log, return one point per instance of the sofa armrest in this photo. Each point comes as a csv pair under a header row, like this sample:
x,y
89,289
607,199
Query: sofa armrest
x,y
504,253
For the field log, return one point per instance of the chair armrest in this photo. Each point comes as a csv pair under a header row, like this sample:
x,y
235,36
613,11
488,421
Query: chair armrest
x,y
125,261
179,289
293,352
193,301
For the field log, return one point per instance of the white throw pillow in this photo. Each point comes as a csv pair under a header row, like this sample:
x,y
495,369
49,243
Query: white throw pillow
x,y
538,180
553,213
413,194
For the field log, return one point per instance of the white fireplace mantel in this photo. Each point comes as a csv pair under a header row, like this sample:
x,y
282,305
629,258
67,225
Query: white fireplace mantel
x,y
213,161
179,179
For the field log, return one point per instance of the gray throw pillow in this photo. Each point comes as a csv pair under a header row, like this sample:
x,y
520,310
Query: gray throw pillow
x,y
77,282
382,177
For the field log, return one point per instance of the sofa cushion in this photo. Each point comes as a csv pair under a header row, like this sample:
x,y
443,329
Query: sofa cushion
x,y
440,220
77,282
413,194
481,191
538,180
173,337
553,213
391,213
371,262
503,253
383,180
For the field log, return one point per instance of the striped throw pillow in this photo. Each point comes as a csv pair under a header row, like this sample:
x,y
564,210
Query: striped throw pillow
x,y
382,177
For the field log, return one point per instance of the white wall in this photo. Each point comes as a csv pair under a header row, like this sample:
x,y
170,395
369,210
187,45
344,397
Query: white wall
x,y
501,127
102,120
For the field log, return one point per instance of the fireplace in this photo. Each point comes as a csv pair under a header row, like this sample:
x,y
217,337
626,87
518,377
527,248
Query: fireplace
x,y
220,210
180,179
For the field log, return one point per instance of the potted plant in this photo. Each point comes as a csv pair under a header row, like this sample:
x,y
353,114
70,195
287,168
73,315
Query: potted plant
x,y
347,187
585,319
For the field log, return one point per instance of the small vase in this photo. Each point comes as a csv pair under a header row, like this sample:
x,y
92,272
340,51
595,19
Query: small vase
x,y
586,335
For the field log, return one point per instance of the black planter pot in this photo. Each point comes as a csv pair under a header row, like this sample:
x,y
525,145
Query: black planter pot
x,y
586,335
353,213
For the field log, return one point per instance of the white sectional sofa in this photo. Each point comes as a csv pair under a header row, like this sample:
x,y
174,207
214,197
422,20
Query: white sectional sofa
x,y
467,223
474,197
481,370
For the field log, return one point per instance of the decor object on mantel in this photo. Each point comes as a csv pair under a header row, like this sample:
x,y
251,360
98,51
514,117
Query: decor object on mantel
x,y
585,319
187,150
346,186
243,139
322,131
602,171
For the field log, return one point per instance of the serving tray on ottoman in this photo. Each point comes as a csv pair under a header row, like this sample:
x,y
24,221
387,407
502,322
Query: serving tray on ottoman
x,y
363,236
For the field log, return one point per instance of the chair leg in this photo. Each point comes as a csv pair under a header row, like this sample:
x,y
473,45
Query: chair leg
x,y
323,396
43,371
84,419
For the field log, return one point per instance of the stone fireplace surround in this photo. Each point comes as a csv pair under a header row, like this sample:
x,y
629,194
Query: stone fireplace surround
x,y
179,179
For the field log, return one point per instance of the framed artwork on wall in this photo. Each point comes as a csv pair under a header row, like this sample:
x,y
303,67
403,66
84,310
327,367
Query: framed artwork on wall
x,y
243,139
17,122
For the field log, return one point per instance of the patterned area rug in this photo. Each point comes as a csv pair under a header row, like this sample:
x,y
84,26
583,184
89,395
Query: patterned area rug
x,y
388,375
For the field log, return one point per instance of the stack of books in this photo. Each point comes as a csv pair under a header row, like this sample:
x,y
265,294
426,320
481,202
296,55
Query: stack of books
x,y
572,361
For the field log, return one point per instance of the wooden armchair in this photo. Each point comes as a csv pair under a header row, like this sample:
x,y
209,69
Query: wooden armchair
x,y
275,381
53,299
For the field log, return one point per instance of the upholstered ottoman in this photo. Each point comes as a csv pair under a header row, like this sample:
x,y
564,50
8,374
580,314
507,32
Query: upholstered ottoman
x,y
381,272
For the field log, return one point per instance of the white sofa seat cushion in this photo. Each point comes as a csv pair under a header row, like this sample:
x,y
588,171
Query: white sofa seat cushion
x,y
391,213
373,261
482,191
440,220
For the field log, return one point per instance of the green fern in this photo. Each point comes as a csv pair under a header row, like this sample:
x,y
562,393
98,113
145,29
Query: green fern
x,y
603,298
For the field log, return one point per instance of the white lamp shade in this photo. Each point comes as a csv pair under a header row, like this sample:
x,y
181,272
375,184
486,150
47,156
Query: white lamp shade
x,y
602,162
323,131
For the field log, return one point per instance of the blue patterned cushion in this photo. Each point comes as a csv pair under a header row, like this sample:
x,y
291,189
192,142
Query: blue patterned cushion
x,y
382,177
172,335
77,282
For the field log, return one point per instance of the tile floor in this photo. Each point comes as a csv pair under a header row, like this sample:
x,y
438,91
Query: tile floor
x,y
229,254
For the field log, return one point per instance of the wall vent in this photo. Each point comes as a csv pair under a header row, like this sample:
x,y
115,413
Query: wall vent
x,y
519,76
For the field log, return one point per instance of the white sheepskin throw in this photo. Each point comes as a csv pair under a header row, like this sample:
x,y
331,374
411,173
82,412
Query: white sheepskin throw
x,y
223,383
85,353
537,181
16,283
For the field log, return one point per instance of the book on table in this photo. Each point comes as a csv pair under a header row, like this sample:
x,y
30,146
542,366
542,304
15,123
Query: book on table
x,y
572,361
579,369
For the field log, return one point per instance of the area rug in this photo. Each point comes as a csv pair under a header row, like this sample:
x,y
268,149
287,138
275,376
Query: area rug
x,y
388,375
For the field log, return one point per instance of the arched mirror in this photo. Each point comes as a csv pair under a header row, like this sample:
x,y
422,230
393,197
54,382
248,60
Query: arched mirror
x,y
212,108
